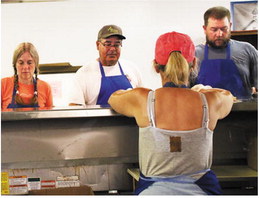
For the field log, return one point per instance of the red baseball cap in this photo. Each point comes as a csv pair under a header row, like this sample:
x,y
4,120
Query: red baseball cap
x,y
174,41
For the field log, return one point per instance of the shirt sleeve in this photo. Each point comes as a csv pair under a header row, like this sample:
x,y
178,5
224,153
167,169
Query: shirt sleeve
x,y
132,70
76,94
199,54
49,102
139,78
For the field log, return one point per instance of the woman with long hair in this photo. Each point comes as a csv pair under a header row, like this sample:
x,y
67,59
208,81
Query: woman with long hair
x,y
24,89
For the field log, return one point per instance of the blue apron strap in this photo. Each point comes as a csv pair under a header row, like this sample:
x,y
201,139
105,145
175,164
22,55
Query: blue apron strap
x,y
13,96
228,51
122,73
182,179
206,52
14,105
101,69
186,178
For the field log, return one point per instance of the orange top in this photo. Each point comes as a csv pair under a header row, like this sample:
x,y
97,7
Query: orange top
x,y
26,92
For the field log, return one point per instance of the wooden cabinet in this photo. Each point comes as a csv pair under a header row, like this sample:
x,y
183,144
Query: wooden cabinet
x,y
250,36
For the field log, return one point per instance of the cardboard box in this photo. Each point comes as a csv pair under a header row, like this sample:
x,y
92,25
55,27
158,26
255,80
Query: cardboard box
x,y
82,190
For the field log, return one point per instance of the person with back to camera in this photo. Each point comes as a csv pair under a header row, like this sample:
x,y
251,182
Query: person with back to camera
x,y
95,82
23,89
224,62
175,123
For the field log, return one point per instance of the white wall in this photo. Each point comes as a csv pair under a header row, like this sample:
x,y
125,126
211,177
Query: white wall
x,y
66,31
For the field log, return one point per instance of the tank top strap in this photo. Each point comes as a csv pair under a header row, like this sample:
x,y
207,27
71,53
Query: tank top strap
x,y
205,120
151,108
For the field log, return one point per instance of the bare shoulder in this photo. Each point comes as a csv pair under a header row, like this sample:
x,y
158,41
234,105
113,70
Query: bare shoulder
x,y
131,92
141,91
130,97
217,95
219,100
128,102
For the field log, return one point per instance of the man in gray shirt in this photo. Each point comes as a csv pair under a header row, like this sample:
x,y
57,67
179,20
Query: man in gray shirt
x,y
224,62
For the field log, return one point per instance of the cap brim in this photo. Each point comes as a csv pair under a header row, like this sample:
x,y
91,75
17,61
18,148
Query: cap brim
x,y
119,35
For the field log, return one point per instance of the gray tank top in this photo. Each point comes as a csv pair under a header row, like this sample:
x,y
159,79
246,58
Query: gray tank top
x,y
166,153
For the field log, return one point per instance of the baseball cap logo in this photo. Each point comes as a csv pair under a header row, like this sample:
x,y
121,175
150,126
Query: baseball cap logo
x,y
112,30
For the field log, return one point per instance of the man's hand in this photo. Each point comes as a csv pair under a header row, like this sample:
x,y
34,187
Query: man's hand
x,y
254,91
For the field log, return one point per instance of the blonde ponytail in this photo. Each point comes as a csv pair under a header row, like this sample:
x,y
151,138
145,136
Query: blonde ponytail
x,y
177,69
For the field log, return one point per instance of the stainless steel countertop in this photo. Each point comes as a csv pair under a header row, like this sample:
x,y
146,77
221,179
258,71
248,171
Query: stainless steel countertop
x,y
87,111
250,105
57,112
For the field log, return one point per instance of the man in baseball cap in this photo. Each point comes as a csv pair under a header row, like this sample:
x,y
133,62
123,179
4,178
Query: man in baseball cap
x,y
96,81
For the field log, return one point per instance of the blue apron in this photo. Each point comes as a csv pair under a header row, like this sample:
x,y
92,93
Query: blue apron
x,y
222,73
111,84
15,105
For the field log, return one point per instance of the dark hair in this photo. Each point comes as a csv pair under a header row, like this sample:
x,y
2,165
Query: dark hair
x,y
218,12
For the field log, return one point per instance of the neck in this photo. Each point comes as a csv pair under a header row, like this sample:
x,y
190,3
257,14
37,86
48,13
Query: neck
x,y
107,63
25,81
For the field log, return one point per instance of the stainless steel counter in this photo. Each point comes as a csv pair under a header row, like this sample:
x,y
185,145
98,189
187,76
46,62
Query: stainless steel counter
x,y
57,112
92,142
99,144
87,112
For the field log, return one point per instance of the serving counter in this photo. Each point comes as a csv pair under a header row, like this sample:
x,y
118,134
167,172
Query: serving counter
x,y
99,145
94,143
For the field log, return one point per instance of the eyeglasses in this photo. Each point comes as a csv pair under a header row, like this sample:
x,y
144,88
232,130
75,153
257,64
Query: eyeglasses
x,y
109,45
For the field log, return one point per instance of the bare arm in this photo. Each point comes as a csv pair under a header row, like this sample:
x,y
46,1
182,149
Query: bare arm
x,y
127,102
221,100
